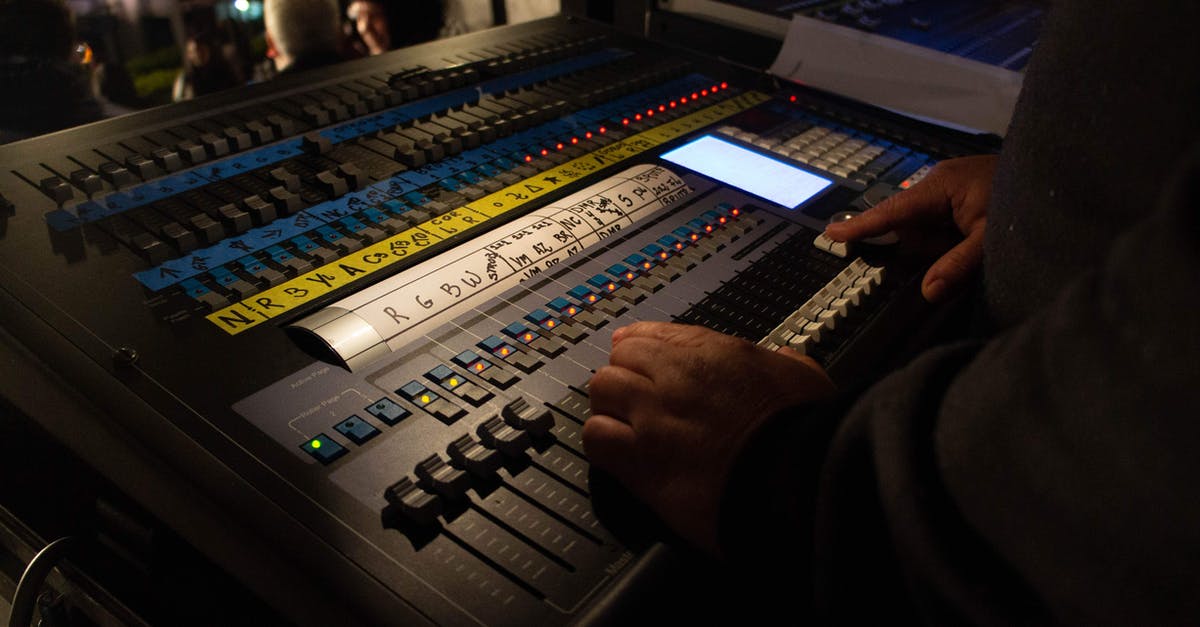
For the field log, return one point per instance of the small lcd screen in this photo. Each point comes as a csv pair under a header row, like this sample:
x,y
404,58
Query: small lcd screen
x,y
749,171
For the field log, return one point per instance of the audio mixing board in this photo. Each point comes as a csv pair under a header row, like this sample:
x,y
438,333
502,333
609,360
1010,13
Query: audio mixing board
x,y
347,319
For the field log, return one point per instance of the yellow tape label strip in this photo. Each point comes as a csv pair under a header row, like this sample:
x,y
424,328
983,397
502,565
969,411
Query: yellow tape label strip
x,y
311,285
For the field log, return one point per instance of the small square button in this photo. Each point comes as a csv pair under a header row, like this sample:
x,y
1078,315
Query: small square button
x,y
356,429
388,411
323,449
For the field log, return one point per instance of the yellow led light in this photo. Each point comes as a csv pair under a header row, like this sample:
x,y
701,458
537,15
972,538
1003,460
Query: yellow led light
x,y
316,444
424,398
453,382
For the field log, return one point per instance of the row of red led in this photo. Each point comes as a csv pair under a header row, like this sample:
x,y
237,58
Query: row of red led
x,y
637,117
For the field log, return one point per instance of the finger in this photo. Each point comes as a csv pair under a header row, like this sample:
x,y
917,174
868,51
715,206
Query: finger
x,y
616,391
948,274
817,369
609,445
916,204
669,332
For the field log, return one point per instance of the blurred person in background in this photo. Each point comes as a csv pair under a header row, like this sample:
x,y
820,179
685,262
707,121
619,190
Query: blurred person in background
x,y
43,75
302,34
207,67
464,16
376,26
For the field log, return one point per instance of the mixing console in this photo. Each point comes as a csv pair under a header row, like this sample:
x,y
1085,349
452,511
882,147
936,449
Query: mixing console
x,y
355,312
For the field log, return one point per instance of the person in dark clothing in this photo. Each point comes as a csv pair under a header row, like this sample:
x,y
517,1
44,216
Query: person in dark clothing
x,y
302,34
46,87
1043,472
377,26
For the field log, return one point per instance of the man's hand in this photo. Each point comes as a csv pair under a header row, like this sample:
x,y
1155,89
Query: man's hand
x,y
675,407
955,191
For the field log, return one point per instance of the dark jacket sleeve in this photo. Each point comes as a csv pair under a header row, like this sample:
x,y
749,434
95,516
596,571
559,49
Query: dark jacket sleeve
x,y
1048,474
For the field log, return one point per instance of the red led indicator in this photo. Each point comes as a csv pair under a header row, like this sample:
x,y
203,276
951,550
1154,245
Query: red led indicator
x,y
673,104
550,324
683,100
574,140
504,351
703,92
478,366
905,185
722,219
736,212
558,146
637,117
724,85
662,107
612,286
646,265
792,99
708,228
695,237
572,311
528,158
587,135
545,152
662,255
591,298
714,89
604,130
649,113
625,121
628,276
678,246
528,337
695,95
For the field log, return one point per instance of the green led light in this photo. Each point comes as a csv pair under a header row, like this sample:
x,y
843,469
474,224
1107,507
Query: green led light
x,y
315,444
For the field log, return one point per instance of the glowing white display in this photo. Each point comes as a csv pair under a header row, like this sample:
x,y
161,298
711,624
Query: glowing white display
x,y
749,171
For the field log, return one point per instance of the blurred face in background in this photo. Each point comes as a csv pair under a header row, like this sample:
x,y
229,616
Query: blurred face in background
x,y
370,20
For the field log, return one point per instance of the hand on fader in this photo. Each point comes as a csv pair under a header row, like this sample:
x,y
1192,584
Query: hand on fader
x,y
675,406
955,194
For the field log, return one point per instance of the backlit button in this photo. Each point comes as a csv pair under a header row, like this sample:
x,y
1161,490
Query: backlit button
x,y
322,449
388,411
356,429
417,393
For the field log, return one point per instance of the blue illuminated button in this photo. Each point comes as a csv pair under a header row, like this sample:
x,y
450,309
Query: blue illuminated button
x,y
655,251
542,318
639,261
603,283
417,393
499,348
621,272
520,333
684,233
466,358
388,411
356,429
323,449
563,307
583,294
440,373
670,242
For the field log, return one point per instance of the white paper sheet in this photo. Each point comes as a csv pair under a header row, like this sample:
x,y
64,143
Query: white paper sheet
x,y
916,81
